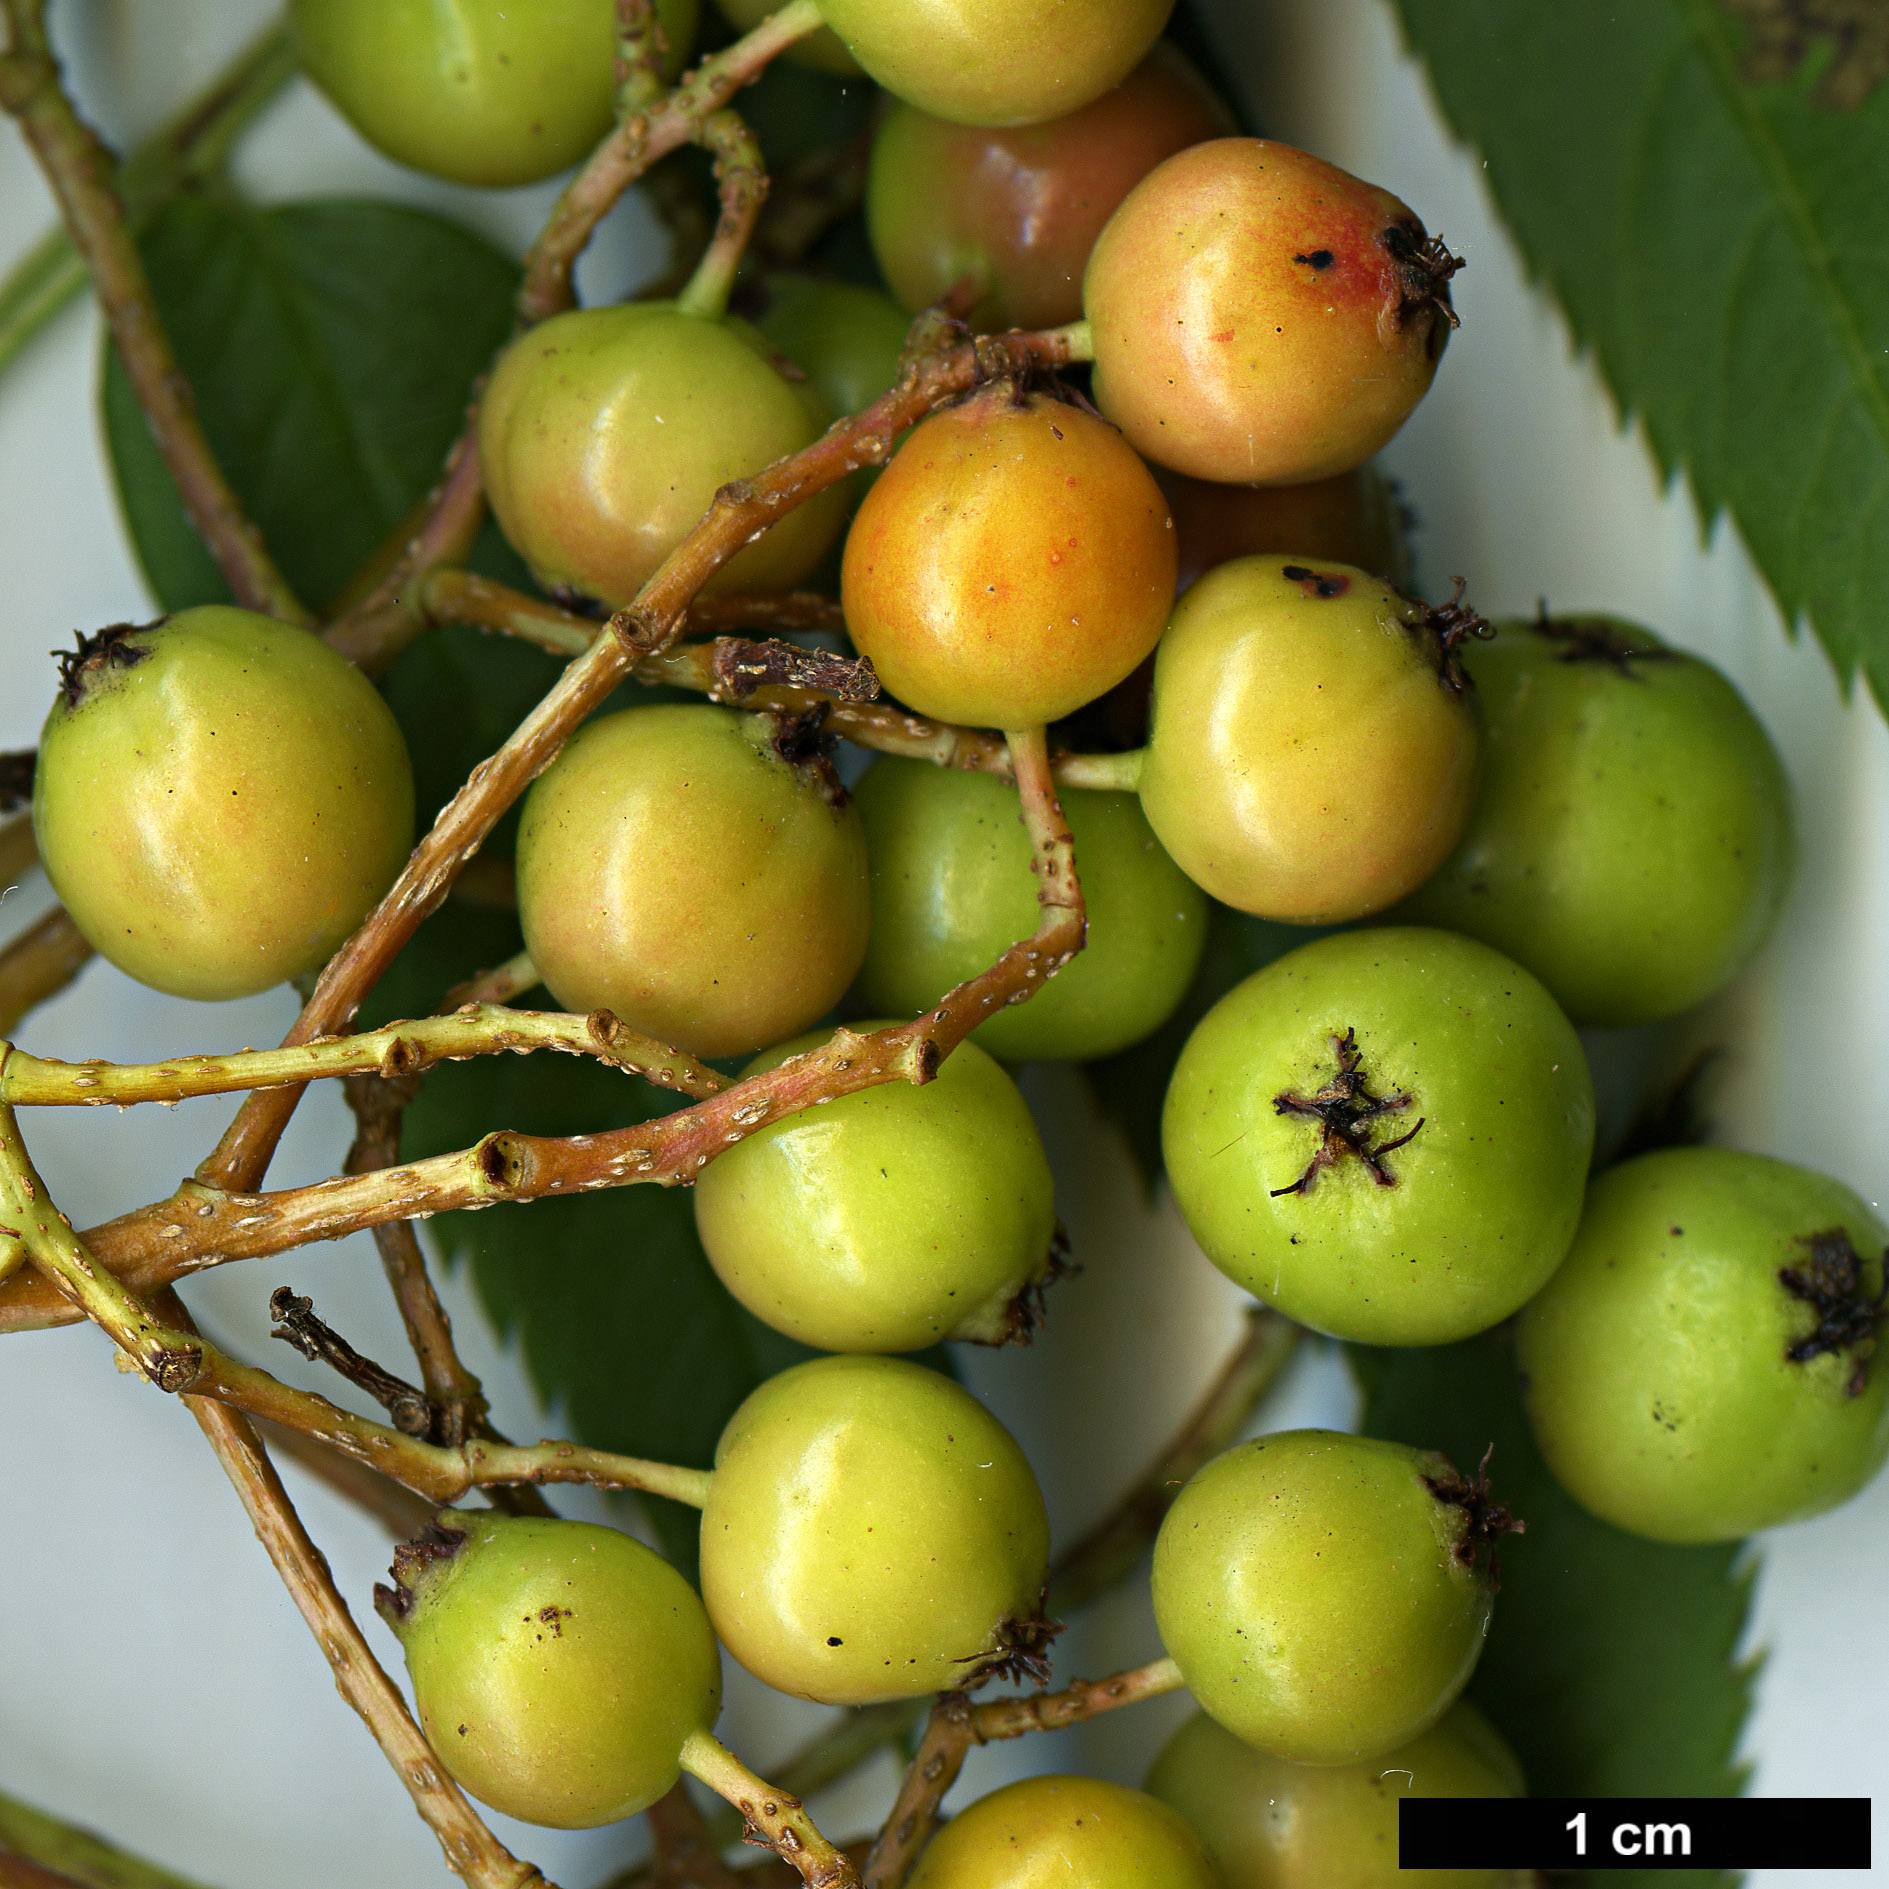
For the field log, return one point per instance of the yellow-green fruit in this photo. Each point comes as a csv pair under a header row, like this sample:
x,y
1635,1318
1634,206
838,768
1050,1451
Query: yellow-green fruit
x,y
605,434
1275,1825
1631,840
1066,1833
952,888
220,800
871,1532
557,1667
887,1219
1325,1596
997,62
478,91
673,867
1309,758
1707,1361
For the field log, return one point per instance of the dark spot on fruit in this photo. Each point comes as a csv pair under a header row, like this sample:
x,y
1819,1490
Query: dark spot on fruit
x,y
1326,584
1319,259
833,1639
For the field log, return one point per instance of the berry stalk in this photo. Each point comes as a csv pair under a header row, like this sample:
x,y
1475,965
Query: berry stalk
x,y
772,1817
956,1725
398,1049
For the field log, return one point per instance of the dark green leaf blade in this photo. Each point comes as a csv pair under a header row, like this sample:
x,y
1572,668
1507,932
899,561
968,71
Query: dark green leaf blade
x,y
1611,1664
1722,244
332,347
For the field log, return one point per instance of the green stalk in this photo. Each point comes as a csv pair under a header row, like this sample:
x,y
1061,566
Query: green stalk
x,y
78,1854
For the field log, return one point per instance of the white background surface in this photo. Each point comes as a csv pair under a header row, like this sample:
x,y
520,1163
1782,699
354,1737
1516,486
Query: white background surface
x,y
155,1682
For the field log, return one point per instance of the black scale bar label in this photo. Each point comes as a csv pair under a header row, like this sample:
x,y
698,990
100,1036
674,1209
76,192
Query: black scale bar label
x,y
1633,1832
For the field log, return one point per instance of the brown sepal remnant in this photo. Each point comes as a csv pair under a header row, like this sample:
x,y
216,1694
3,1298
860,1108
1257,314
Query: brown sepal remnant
x,y
741,666
1424,266
16,779
1453,624
1486,1520
1780,36
1031,1305
1345,1108
1022,1651
413,1561
103,649
1830,1281
1595,639
802,741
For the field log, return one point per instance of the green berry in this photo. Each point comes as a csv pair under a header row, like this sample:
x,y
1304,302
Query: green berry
x,y
952,889
1702,1366
997,62
1311,755
220,800
677,867
605,433
888,1219
557,1666
1275,1825
1076,1831
478,91
872,1532
1385,1134
1326,1596
1631,840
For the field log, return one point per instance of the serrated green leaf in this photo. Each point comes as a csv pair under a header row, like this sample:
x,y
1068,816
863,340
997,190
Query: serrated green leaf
x,y
331,347
1130,1088
1611,1664
1721,243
